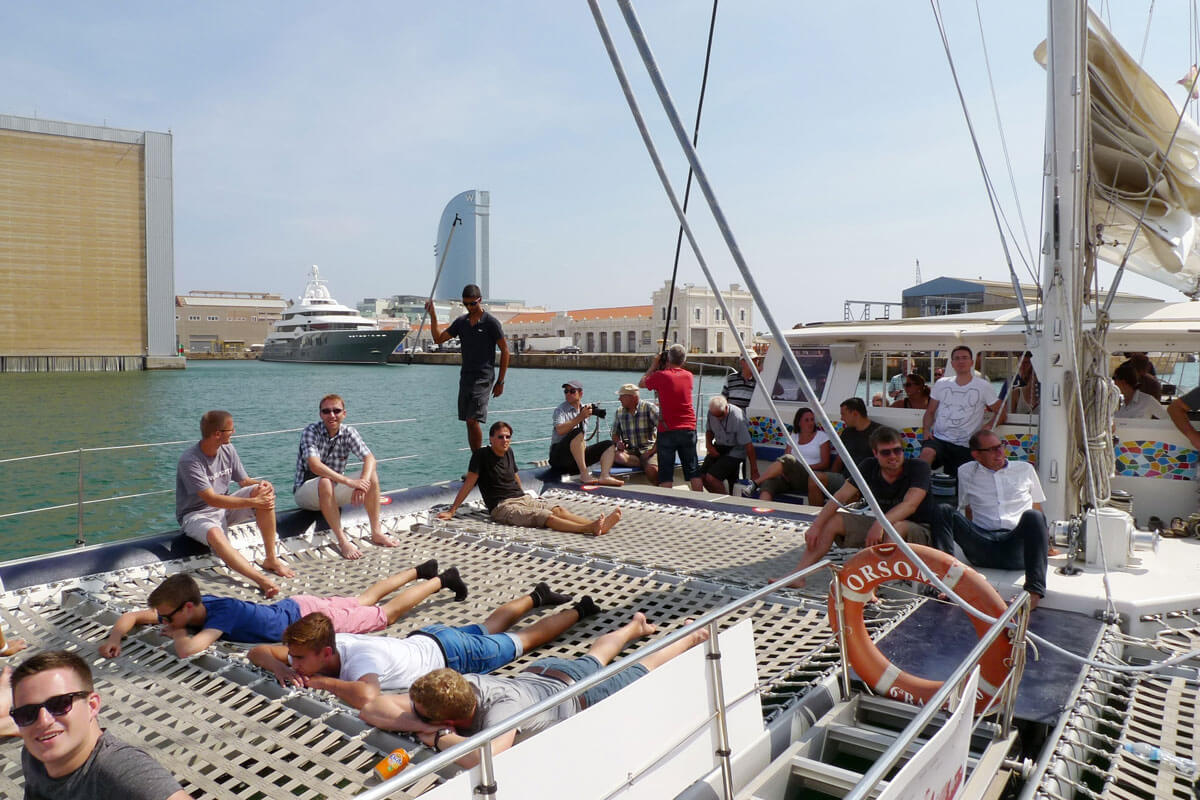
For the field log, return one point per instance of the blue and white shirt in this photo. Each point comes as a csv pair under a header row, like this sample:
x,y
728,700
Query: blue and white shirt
x,y
334,451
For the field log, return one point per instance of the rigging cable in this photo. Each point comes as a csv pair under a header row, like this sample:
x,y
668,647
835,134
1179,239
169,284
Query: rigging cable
x,y
996,215
687,192
789,357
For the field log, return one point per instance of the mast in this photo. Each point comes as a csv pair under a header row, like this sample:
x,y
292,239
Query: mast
x,y
1063,253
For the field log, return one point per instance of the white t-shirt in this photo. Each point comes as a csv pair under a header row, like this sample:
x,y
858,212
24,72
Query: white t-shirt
x,y
998,498
811,452
397,662
960,408
1142,406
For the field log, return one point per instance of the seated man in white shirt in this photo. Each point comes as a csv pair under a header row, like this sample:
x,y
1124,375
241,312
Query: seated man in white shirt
x,y
1135,404
999,521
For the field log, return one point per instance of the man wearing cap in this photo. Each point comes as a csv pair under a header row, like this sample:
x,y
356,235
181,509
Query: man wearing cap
x,y
635,432
567,452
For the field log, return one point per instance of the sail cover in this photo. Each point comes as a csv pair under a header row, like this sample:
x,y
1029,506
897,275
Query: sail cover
x,y
1132,121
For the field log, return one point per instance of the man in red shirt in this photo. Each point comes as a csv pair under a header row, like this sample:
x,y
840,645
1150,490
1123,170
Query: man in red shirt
x,y
677,421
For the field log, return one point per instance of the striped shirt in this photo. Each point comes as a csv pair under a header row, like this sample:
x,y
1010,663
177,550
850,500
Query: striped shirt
x,y
738,390
637,428
334,453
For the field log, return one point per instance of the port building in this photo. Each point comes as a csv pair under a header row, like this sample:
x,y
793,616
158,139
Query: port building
x,y
86,247
696,322
225,323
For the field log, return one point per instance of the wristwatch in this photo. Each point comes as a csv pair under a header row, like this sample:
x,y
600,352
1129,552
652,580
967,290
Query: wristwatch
x,y
437,737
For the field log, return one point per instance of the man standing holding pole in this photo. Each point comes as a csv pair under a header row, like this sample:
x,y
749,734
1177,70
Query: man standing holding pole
x,y
480,334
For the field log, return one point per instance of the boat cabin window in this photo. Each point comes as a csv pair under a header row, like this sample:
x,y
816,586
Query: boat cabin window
x,y
815,362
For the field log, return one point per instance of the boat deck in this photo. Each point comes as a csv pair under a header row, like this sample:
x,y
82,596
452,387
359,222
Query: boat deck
x,y
227,730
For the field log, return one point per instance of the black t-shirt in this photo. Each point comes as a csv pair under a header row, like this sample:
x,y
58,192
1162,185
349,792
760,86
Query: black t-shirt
x,y
858,443
497,476
914,476
478,343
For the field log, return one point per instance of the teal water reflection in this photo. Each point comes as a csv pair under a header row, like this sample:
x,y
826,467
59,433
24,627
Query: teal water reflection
x,y
50,412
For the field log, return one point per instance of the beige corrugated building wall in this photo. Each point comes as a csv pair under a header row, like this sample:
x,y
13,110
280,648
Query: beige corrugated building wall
x,y
86,247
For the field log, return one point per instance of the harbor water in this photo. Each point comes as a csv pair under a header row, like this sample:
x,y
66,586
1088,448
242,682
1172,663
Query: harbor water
x,y
416,434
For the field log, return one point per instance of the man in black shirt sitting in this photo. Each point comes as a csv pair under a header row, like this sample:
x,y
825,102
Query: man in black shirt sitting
x,y
495,470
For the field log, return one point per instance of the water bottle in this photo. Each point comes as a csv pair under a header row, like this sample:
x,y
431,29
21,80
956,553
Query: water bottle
x,y
395,761
1156,755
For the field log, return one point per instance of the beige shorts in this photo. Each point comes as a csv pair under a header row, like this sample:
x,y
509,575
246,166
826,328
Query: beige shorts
x,y
526,512
308,497
858,525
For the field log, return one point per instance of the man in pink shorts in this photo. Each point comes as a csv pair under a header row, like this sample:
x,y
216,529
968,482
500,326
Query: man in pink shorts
x,y
179,607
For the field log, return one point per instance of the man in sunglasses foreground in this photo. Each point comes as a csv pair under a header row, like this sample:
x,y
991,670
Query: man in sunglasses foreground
x,y
901,485
999,521
479,334
494,469
320,485
54,708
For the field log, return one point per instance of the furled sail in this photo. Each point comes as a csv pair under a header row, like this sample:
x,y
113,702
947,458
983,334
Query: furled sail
x,y
1132,121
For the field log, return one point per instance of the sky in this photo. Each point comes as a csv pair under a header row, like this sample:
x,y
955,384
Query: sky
x,y
334,134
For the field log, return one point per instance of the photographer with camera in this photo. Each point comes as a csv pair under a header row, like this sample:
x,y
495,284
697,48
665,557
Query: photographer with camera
x,y
677,425
567,452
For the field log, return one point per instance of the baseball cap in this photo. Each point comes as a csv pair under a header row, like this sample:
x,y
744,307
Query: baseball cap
x,y
573,384
628,388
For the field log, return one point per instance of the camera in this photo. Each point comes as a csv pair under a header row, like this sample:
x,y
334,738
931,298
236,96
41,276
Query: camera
x,y
597,411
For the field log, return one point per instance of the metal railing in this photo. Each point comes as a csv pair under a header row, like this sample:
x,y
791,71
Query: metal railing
x,y
1004,700
487,788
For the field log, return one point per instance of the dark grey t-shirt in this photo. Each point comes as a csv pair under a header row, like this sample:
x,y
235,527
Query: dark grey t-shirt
x,y
478,343
114,771
499,698
197,472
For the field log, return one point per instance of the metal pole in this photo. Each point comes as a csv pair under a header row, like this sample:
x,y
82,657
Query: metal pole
x,y
79,540
487,773
1017,668
723,751
839,609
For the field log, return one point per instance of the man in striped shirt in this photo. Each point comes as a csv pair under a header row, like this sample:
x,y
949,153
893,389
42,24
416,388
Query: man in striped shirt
x,y
325,447
739,386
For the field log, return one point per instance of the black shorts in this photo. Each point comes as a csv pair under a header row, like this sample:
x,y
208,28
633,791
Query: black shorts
x,y
562,460
947,455
473,396
722,466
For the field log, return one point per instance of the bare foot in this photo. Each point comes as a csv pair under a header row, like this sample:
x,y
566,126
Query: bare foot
x,y
267,587
349,551
696,637
608,521
383,540
796,584
603,480
641,626
14,646
279,568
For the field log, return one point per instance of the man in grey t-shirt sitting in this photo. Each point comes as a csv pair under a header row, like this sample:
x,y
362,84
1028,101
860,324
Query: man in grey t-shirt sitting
x,y
205,508
446,707
54,708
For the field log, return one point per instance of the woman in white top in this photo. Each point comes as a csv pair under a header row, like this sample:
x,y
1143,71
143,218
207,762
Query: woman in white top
x,y
788,474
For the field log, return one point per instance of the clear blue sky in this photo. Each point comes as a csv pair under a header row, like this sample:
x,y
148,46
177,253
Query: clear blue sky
x,y
333,134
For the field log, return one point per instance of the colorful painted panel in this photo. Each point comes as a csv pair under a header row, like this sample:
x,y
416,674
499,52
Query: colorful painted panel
x,y
765,430
1150,459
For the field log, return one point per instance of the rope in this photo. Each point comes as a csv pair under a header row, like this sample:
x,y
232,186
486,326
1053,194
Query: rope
x,y
436,277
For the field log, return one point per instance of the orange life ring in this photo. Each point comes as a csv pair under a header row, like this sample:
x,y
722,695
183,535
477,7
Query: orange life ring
x,y
887,562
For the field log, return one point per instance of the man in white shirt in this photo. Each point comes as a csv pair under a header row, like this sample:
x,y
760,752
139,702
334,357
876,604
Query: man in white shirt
x,y
956,410
999,521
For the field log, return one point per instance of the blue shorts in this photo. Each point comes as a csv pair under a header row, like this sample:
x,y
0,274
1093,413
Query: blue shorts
x,y
681,443
471,649
581,668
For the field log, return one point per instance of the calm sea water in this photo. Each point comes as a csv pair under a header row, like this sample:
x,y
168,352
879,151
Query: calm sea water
x,y
66,411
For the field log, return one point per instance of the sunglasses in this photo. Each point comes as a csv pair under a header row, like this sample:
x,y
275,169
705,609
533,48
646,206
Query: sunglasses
x,y
993,449
890,451
470,303
58,705
331,410
163,619
502,436
570,391
421,715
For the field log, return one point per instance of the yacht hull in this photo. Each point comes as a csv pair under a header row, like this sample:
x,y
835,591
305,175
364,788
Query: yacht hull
x,y
335,347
